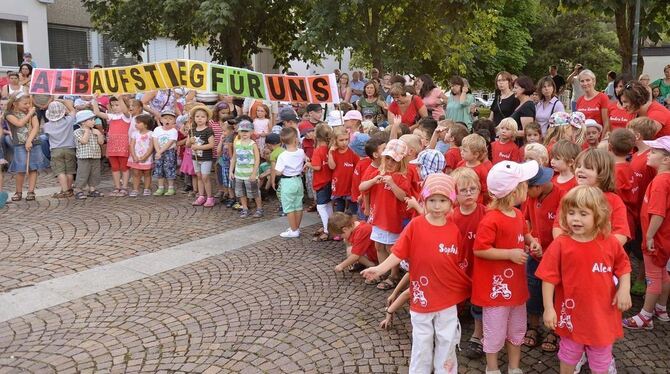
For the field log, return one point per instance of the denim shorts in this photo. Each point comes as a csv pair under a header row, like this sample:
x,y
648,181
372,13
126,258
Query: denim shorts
x,y
323,196
383,237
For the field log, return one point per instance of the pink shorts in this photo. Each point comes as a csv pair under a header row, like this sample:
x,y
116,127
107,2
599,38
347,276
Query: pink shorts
x,y
503,323
656,276
599,358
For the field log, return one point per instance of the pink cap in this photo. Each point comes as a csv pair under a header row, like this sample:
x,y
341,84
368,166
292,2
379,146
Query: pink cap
x,y
353,114
439,184
505,176
396,149
661,143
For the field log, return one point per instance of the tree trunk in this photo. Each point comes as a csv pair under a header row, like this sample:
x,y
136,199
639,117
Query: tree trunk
x,y
373,22
234,42
623,15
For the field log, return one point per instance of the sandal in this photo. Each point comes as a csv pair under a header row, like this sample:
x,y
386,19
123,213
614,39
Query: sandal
x,y
318,232
321,238
95,193
473,349
550,343
123,192
116,193
387,284
17,196
372,282
60,195
80,195
638,322
30,196
531,338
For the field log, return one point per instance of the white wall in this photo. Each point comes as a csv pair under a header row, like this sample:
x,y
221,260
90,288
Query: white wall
x,y
653,65
327,66
34,15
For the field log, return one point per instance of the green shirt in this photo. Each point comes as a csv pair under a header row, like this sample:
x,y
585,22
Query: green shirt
x,y
244,159
275,154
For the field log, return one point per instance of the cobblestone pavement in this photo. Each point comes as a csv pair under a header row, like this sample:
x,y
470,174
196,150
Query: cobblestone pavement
x,y
275,306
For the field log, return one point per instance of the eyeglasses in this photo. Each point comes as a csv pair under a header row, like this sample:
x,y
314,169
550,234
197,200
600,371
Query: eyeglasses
x,y
469,191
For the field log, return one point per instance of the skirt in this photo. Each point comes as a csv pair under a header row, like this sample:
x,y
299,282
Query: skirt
x,y
37,159
187,163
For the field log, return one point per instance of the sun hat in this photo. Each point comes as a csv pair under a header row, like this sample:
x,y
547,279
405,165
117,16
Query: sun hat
x,y
353,115
577,119
55,111
168,112
592,123
544,175
559,119
245,125
196,108
505,176
288,114
396,149
84,115
661,143
439,184
335,118
430,161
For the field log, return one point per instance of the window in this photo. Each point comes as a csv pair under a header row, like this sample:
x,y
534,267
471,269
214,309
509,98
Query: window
x,y
69,47
114,55
11,43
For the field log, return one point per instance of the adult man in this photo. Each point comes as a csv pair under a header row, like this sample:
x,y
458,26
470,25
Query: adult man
x,y
577,90
357,86
374,74
559,81
609,90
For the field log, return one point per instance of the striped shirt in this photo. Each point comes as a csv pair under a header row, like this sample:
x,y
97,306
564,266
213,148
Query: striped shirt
x,y
244,159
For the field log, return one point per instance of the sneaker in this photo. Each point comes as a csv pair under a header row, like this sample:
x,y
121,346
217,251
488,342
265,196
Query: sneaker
x,y
211,201
612,368
244,213
159,192
661,315
230,203
199,201
169,192
258,214
147,192
290,234
638,322
639,288
237,206
515,371
134,193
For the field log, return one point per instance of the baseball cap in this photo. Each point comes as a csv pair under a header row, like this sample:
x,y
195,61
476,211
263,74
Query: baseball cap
x,y
661,143
335,118
272,138
544,175
505,176
313,108
592,123
396,149
353,115
245,125
168,112
55,111
368,112
84,115
357,144
439,184
288,114
430,161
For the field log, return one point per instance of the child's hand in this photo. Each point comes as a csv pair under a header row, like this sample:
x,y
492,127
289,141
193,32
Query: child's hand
x,y
157,156
371,273
391,299
253,177
396,120
518,256
232,175
412,203
440,129
135,158
272,183
550,318
536,249
622,300
339,268
386,322
387,179
650,244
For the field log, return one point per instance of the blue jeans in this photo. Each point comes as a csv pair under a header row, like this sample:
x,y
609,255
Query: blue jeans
x,y
44,144
534,304
6,147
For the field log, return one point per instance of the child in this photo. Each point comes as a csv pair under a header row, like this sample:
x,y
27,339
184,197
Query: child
x,y
289,164
360,248
186,168
533,133
118,123
565,126
537,152
89,141
656,247
504,148
474,156
563,155
388,187
201,142
225,151
342,161
454,136
432,244
244,169
373,150
467,216
322,178
621,144
576,273
499,281
141,149
220,114
261,125
60,130
592,134
165,144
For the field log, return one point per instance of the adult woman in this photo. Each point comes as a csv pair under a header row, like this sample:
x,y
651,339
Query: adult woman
x,y
525,112
644,79
409,107
636,99
504,101
593,104
618,116
25,73
343,87
12,86
459,101
548,103
431,95
371,104
664,84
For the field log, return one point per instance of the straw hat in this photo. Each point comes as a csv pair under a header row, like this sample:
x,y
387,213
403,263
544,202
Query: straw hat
x,y
191,113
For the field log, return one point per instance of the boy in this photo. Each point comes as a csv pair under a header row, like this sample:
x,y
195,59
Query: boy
x,y
89,140
413,143
165,158
592,134
290,164
360,248
244,169
504,149
454,136
474,155
373,149
563,155
621,143
60,130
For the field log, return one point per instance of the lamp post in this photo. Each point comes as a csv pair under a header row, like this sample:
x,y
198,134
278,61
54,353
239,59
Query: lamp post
x,y
636,37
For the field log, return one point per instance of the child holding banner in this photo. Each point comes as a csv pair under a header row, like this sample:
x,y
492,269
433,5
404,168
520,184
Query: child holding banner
x,y
118,121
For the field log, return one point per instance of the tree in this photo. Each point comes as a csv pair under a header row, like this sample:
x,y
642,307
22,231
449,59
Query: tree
x,y
233,29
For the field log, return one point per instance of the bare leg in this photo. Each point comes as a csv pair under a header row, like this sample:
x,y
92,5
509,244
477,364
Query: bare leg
x,y
125,176
147,179
32,180
513,355
567,369
243,201
207,186
492,361
70,181
62,180
116,177
136,180
19,182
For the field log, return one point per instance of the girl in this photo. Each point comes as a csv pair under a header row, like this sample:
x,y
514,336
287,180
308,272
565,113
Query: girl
x,y
388,187
118,122
562,156
216,124
533,133
24,127
499,274
141,149
577,280
342,161
565,126
261,125
321,180
504,148
432,245
224,151
186,168
201,141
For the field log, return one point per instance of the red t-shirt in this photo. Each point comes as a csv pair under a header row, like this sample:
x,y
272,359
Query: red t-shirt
x,y
452,157
321,177
618,217
504,152
345,162
360,168
415,179
657,202
542,214
642,176
467,224
386,211
624,188
592,109
660,114
582,274
412,111
435,253
619,117
566,186
361,244
499,282
482,171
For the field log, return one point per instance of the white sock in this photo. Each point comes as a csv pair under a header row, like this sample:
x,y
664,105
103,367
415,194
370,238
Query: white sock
x,y
325,211
661,307
646,314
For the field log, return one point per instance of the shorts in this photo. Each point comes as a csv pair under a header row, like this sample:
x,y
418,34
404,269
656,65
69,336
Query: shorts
x,y
309,180
118,163
383,237
37,159
476,312
202,167
247,188
291,193
323,195
166,166
656,276
599,358
534,304
503,323
64,161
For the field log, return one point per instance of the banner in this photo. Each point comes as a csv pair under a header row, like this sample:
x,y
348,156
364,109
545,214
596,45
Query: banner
x,y
194,75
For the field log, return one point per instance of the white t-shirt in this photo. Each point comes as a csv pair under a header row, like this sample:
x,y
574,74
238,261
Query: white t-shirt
x,y
164,136
290,164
